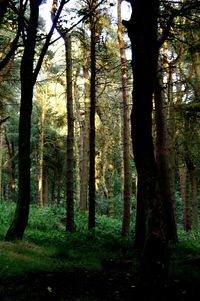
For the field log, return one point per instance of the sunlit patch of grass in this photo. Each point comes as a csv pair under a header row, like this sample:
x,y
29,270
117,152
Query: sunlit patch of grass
x,y
20,257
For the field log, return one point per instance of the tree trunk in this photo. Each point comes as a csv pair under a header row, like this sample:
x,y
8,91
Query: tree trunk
x,y
70,226
183,176
171,135
195,56
58,188
40,201
28,76
84,162
70,138
45,184
11,153
91,218
162,158
193,183
18,225
3,5
126,130
142,30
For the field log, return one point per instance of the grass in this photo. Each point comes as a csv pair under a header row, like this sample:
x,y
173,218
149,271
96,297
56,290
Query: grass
x,y
47,248
20,257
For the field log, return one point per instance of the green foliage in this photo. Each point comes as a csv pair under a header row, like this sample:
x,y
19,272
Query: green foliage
x,y
185,259
179,209
6,215
47,246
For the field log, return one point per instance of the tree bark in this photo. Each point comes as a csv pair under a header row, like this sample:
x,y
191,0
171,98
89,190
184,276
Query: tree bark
x,y
19,223
28,76
40,200
183,177
91,218
3,5
151,224
70,226
84,162
165,170
11,154
126,130
193,183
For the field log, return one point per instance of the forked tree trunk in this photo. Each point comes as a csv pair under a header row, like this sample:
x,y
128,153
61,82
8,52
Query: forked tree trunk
x,y
28,77
18,225
142,30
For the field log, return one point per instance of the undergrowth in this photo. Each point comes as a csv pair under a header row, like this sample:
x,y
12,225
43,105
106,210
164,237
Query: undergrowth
x,y
47,246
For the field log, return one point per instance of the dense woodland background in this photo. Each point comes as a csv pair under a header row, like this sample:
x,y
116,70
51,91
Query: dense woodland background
x,y
67,134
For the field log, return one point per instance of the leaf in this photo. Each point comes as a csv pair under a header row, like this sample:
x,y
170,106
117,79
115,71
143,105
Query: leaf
x,y
49,289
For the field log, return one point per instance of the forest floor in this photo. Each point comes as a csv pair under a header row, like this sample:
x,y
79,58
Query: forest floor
x,y
110,283
53,265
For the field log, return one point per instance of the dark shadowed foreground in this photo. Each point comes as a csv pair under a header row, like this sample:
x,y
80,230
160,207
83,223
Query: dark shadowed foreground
x,y
111,283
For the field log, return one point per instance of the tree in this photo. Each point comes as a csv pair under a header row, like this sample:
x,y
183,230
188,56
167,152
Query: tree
x,y
93,23
165,169
84,157
4,5
19,223
151,222
70,122
126,130
28,76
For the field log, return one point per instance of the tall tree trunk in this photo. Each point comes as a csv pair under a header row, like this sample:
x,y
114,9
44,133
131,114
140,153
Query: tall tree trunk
x,y
78,136
183,176
40,201
11,154
193,183
70,226
91,218
126,130
166,177
195,56
171,134
84,162
70,138
18,225
142,30
28,76
45,184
